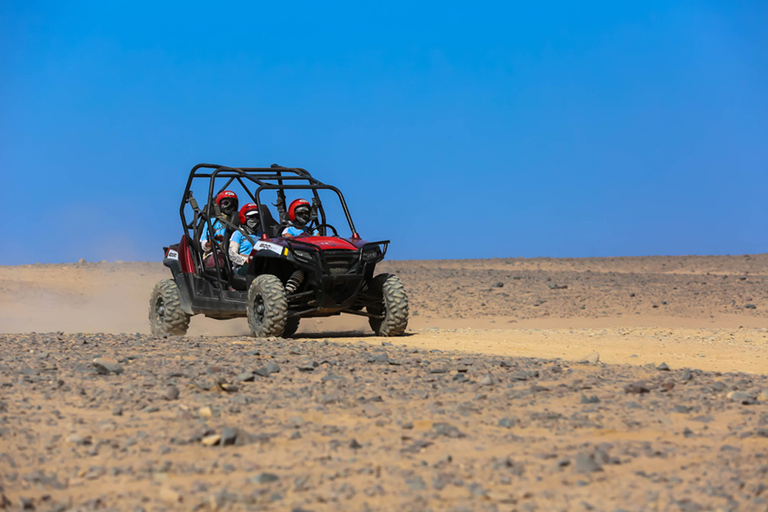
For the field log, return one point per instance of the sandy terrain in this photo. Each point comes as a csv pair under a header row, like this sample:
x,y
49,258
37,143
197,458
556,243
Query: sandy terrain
x,y
522,384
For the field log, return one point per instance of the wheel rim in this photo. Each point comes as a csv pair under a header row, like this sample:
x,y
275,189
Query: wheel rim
x,y
259,308
160,308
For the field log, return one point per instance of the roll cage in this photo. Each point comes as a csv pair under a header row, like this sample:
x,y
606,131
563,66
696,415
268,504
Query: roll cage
x,y
265,178
254,181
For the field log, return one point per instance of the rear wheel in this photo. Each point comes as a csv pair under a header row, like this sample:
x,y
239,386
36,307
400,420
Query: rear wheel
x,y
267,306
393,308
291,326
165,313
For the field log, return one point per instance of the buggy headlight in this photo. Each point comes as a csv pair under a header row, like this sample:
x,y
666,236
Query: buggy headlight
x,y
371,254
302,256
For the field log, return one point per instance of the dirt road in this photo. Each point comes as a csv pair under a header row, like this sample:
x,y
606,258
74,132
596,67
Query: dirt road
x,y
597,384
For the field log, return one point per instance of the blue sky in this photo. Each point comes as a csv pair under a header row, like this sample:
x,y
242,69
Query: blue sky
x,y
455,129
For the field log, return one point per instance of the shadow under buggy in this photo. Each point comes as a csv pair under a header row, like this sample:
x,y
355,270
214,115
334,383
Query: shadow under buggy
x,y
316,274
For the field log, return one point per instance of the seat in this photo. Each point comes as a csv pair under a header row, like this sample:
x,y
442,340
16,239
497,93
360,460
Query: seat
x,y
271,225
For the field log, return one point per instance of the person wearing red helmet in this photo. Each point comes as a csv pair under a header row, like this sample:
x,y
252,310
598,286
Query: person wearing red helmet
x,y
299,213
240,246
226,203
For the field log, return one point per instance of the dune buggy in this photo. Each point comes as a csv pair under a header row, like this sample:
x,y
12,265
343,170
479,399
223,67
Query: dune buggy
x,y
288,278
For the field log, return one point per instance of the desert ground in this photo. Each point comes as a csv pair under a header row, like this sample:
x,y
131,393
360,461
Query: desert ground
x,y
600,384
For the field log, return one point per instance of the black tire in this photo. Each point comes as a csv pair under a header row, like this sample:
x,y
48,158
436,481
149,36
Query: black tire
x,y
393,308
291,326
267,306
165,313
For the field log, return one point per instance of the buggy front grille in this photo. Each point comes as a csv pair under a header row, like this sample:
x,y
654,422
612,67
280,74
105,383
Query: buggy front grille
x,y
341,261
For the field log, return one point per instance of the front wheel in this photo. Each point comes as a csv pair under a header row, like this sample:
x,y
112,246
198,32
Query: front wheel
x,y
267,306
393,309
165,313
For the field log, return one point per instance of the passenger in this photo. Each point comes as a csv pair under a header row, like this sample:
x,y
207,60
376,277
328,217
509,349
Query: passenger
x,y
239,246
227,202
299,213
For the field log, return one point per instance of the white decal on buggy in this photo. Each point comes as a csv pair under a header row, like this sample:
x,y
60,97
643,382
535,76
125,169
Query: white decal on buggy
x,y
269,246
173,254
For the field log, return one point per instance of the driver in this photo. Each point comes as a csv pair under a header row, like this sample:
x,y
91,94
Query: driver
x,y
227,202
299,213
239,246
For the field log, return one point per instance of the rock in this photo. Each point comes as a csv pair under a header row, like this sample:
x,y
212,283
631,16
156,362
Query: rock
x,y
205,412
211,440
415,483
585,463
592,358
79,440
265,478
447,430
169,495
663,367
228,436
245,377
106,365
117,410
741,397
486,380
589,400
261,372
506,422
171,393
307,366
637,387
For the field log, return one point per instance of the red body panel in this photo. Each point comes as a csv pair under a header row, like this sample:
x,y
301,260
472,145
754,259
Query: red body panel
x,y
328,242
185,257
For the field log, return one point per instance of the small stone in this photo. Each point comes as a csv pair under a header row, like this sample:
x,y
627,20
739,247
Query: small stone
x,y
106,365
589,399
171,393
211,440
585,463
245,377
272,367
447,430
416,483
261,372
663,367
637,387
117,410
506,422
205,412
228,436
741,397
265,478
592,358
486,380
169,495
79,440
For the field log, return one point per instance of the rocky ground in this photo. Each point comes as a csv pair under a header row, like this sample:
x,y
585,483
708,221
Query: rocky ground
x,y
133,422
562,388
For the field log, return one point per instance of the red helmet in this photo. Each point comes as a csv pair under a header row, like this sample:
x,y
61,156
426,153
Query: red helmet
x,y
250,207
295,204
226,194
